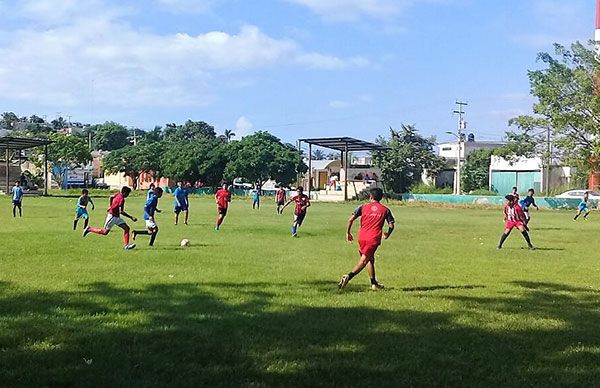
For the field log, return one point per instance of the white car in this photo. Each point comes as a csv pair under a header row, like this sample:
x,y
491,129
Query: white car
x,y
578,194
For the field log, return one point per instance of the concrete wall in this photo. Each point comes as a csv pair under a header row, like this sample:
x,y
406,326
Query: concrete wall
x,y
544,202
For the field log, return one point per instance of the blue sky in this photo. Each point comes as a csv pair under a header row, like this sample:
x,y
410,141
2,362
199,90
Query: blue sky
x,y
297,68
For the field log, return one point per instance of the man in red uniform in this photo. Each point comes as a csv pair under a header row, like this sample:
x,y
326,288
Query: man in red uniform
x,y
222,197
514,217
302,203
372,215
116,209
280,199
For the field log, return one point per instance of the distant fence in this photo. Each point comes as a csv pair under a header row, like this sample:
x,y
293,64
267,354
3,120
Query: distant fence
x,y
212,190
547,202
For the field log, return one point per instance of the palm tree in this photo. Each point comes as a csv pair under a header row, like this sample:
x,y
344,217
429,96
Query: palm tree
x,y
318,154
229,134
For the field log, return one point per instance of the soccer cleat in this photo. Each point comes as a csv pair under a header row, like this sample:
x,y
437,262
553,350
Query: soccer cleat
x,y
343,282
377,286
129,247
133,235
86,231
532,247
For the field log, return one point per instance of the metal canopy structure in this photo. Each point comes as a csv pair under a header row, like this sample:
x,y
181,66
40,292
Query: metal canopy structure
x,y
8,144
343,145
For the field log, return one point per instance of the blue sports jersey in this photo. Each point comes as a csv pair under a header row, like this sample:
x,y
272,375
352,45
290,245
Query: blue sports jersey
x,y
150,207
255,194
526,202
17,192
181,194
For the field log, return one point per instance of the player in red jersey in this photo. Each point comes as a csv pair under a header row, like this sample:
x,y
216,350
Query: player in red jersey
x,y
373,216
280,199
116,209
222,197
514,217
302,203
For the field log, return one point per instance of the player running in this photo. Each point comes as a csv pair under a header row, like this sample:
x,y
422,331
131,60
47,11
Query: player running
x,y
81,210
222,197
116,209
280,199
17,199
514,217
302,203
583,207
373,216
150,208
181,202
515,193
526,203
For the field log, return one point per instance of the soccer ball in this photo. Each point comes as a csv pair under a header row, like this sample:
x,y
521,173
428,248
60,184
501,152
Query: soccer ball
x,y
185,242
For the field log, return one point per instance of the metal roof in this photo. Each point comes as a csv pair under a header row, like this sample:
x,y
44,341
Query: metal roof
x,y
21,143
340,144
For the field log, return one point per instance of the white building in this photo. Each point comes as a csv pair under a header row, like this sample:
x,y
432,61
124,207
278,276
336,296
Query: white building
x,y
449,151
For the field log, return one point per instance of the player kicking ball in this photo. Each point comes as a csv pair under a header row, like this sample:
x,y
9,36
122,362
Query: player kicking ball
x,y
583,207
514,217
302,203
222,197
150,208
81,210
373,216
116,209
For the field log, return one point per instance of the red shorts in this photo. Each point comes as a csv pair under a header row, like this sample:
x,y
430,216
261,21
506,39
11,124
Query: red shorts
x,y
368,247
514,224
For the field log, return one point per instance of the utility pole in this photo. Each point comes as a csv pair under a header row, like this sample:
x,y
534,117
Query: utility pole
x,y
461,125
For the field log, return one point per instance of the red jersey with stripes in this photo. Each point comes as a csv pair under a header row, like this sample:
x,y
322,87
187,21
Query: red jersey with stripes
x,y
514,213
372,217
223,198
117,202
301,200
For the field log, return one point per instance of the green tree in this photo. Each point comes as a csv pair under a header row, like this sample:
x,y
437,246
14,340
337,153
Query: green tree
x,y
475,172
318,154
191,130
133,160
568,103
201,159
66,152
109,136
9,119
262,156
409,155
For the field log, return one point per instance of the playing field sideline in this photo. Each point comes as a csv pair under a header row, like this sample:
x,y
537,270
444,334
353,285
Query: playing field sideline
x,y
251,306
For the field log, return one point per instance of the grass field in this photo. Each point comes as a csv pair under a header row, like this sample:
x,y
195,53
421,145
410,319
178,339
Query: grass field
x,y
250,306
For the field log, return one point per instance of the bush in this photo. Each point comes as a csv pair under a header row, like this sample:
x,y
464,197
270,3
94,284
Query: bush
x,y
422,188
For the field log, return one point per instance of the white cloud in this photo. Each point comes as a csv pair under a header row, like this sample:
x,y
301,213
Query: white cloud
x,y
89,53
243,127
339,104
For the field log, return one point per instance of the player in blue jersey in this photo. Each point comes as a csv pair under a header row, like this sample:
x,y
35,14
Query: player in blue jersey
x,y
149,212
181,202
583,207
81,209
17,199
526,203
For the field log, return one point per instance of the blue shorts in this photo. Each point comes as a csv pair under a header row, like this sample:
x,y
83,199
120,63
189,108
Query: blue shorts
x,y
82,213
179,209
300,218
583,207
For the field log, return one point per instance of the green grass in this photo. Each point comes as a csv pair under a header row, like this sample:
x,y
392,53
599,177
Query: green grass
x,y
250,306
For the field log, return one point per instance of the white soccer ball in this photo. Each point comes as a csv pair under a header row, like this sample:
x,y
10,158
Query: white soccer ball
x,y
185,242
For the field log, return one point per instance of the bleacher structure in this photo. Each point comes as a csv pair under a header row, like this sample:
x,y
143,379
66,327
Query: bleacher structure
x,y
10,159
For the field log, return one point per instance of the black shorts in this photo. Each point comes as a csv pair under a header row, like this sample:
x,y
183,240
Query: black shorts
x,y
300,218
222,211
16,202
280,203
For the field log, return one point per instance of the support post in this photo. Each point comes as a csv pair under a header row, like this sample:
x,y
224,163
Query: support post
x,y
46,170
7,172
346,172
298,180
309,168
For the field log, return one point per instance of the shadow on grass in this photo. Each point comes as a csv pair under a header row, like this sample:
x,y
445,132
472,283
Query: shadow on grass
x,y
445,287
235,334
